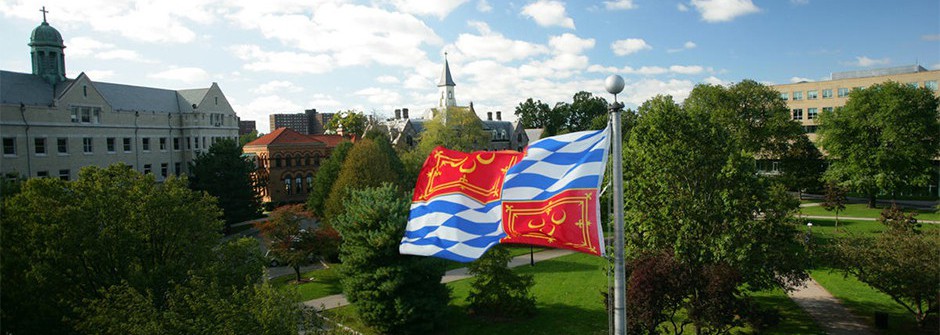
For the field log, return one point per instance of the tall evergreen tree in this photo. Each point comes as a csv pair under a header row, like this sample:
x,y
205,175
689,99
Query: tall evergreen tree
x,y
366,165
326,176
225,174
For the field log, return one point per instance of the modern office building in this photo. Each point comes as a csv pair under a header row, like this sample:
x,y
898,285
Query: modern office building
x,y
308,123
806,100
246,127
52,125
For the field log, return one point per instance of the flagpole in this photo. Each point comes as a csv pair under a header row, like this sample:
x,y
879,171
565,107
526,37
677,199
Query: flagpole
x,y
614,85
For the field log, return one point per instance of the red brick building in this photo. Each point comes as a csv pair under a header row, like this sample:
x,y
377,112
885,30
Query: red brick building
x,y
287,161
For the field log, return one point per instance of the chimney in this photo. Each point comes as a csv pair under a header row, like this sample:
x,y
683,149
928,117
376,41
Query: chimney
x,y
489,116
397,114
404,113
499,116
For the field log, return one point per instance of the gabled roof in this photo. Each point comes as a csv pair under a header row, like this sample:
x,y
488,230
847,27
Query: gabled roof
x,y
194,96
290,136
25,88
534,134
137,98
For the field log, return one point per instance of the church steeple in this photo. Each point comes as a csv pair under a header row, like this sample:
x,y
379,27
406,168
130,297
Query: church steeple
x,y
446,87
46,49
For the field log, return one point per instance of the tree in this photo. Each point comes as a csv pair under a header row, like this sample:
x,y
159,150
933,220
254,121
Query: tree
x,y
393,293
326,176
366,165
895,262
223,173
834,199
463,131
495,290
286,239
247,138
352,122
116,238
883,139
537,114
692,190
802,166
582,111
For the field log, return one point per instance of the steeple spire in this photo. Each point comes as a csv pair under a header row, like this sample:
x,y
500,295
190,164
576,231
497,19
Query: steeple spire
x,y
446,87
446,79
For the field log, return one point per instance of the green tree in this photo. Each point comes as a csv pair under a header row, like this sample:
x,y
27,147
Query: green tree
x,y
326,176
895,262
366,165
537,114
802,166
583,110
223,173
495,290
883,139
834,199
393,293
352,122
692,190
286,239
463,131
247,138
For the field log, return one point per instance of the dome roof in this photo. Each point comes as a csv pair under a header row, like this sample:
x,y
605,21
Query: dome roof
x,y
45,35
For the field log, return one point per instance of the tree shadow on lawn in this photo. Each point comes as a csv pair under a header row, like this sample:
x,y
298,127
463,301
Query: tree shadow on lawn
x,y
558,266
899,320
549,319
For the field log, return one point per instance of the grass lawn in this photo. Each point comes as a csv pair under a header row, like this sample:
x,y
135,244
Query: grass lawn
x,y
864,301
862,211
514,250
325,282
568,295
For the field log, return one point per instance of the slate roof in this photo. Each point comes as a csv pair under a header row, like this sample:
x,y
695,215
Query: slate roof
x,y
446,79
138,98
290,136
194,96
26,88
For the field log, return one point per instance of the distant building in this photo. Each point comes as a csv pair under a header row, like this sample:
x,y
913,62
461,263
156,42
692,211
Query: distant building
x,y
52,125
806,100
246,127
404,131
308,123
287,161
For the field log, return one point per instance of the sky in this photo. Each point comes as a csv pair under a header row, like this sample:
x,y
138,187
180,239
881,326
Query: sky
x,y
285,56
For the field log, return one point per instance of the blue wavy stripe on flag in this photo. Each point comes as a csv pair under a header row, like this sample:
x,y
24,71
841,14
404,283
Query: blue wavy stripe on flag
x,y
459,251
450,205
452,226
558,163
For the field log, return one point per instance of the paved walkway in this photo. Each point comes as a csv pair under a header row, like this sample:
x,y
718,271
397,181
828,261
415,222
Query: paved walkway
x,y
857,218
828,311
339,300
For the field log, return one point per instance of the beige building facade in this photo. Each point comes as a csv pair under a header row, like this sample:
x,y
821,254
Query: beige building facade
x,y
52,126
807,100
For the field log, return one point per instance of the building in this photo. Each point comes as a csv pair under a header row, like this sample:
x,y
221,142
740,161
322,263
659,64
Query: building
x,y
287,161
246,127
308,123
806,100
52,125
404,131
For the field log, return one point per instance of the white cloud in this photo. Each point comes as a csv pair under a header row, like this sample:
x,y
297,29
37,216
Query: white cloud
x,y
547,13
99,75
619,4
261,108
682,7
683,69
629,46
490,45
686,46
715,81
82,47
934,37
380,96
570,44
935,66
800,79
438,8
799,2
278,86
723,10
189,75
637,92
864,61
387,80
648,70
283,61
323,101
484,6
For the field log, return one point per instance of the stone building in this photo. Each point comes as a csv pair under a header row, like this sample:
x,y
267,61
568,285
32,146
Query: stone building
x,y
52,125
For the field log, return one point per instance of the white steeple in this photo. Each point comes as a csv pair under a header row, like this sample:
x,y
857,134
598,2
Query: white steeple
x,y
446,87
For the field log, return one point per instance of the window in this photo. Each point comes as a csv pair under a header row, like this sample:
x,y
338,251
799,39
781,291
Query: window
x,y
316,159
196,139
204,143
798,95
9,146
784,96
87,145
40,146
299,188
827,110
177,168
147,168
812,95
163,144
146,143
288,160
931,85
809,129
63,144
110,144
127,144
164,169
798,114
176,143
74,111
843,92
309,182
811,113
188,144
86,115
42,174
912,85
65,174
827,93
277,161
287,184
85,90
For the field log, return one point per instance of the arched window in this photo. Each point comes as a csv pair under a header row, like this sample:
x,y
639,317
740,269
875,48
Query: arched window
x,y
287,184
277,160
299,188
307,159
316,159
309,182
289,159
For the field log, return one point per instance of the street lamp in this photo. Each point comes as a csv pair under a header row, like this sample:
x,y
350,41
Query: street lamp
x,y
614,85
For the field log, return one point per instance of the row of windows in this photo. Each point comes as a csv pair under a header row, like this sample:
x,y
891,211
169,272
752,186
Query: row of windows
x,y
811,113
298,187
66,174
305,160
843,92
62,144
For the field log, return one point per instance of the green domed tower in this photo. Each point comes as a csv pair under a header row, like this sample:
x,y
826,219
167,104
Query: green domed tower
x,y
46,48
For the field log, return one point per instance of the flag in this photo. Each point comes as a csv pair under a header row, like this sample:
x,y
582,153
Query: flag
x,y
550,198
455,210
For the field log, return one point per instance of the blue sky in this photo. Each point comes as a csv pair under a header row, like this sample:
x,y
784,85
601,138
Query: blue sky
x,y
284,56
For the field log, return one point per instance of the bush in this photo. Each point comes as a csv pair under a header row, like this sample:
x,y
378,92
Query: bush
x,y
495,290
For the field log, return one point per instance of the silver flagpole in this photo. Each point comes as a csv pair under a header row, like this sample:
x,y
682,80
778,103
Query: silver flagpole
x,y
614,85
